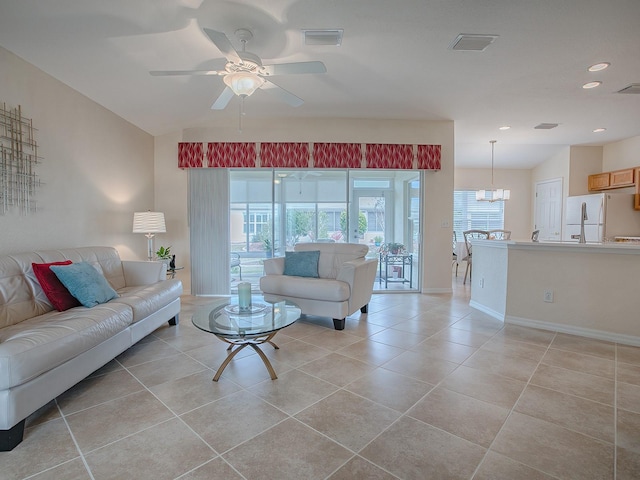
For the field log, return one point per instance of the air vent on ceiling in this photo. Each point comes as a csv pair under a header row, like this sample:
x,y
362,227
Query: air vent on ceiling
x,y
323,37
472,42
633,88
546,126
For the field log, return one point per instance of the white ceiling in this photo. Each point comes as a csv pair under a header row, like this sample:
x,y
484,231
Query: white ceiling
x,y
395,62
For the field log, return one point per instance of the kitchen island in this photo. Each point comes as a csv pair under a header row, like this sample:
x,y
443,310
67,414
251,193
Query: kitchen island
x,y
590,290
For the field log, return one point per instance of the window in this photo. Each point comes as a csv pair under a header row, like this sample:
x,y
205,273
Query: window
x,y
468,213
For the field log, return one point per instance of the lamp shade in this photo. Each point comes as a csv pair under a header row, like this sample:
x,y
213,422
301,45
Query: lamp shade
x,y
149,222
243,84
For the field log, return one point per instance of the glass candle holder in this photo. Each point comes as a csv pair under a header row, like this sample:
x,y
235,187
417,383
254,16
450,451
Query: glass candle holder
x,y
244,296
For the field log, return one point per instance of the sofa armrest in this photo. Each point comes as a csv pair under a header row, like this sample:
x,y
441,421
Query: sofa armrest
x,y
143,273
274,266
360,275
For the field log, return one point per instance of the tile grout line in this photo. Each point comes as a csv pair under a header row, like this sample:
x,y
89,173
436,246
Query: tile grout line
x,y
511,413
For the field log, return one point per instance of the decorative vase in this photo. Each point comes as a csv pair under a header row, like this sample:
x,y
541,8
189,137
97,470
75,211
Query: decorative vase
x,y
172,263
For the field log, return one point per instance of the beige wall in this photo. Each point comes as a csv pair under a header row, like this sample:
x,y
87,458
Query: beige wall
x,y
622,154
517,210
97,168
583,161
438,186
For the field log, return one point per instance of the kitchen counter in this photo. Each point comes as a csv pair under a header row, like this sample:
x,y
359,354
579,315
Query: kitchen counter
x,y
583,289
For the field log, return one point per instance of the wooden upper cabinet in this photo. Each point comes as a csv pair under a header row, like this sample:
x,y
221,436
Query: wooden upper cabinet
x,y
636,202
618,179
599,181
622,178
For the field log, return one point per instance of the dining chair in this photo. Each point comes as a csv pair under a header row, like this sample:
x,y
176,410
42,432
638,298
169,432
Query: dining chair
x,y
455,249
468,236
499,234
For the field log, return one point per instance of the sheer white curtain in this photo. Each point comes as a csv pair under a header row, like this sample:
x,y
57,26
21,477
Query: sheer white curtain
x,y
209,230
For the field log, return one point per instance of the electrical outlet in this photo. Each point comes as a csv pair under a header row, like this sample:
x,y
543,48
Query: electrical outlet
x,y
548,296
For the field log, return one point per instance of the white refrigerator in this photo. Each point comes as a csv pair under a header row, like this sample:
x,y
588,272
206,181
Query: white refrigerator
x,y
608,215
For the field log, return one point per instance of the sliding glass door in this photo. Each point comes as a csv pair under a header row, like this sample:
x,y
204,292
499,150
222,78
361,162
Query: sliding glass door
x,y
272,210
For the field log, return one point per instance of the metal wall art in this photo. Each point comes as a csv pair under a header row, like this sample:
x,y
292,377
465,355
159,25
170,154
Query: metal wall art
x,y
18,160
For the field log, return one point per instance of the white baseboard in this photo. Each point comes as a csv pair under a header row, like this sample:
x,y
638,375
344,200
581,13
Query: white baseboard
x,y
488,311
573,330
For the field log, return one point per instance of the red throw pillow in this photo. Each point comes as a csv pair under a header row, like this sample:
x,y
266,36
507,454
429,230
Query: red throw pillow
x,y
53,288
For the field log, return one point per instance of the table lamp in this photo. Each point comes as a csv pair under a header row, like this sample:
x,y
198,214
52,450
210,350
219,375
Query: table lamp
x,y
149,223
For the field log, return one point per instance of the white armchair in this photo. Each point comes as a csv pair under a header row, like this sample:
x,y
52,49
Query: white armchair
x,y
344,283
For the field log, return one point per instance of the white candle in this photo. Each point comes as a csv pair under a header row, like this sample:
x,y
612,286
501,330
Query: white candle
x,y
244,295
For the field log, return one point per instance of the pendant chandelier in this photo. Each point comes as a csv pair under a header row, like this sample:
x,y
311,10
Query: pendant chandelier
x,y
494,194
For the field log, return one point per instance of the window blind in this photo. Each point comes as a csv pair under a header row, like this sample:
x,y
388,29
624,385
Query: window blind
x,y
470,214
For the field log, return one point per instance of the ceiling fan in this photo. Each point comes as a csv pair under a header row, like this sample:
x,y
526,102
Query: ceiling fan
x,y
244,72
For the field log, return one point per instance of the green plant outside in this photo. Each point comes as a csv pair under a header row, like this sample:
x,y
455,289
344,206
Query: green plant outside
x,y
362,222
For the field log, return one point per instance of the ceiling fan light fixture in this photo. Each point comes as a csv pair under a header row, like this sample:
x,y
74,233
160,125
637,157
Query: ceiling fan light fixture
x,y
243,84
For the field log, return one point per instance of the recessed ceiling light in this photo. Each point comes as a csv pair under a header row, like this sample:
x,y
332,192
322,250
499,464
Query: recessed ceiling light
x,y
504,127
598,66
598,130
591,85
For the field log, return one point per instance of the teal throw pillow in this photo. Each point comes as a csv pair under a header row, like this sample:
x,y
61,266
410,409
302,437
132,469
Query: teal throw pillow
x,y
302,264
85,283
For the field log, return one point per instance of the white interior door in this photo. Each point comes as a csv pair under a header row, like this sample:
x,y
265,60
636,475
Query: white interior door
x,y
548,208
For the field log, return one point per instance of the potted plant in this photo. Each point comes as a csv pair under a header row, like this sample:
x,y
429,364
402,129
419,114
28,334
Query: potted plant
x,y
266,243
377,240
392,248
164,254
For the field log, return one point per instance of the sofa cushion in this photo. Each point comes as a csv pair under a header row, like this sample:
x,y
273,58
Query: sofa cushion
x,y
39,344
53,288
147,299
85,283
300,287
301,264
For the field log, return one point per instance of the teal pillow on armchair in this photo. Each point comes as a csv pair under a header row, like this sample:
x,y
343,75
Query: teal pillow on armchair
x,y
85,283
302,264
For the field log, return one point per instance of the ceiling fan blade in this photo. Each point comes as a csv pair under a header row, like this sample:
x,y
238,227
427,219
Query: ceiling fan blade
x,y
221,41
223,100
282,94
162,73
294,68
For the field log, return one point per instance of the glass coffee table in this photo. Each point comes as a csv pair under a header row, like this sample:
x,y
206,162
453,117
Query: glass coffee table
x,y
246,327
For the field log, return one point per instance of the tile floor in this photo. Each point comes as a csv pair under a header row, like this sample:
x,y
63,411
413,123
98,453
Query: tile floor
x,y
423,387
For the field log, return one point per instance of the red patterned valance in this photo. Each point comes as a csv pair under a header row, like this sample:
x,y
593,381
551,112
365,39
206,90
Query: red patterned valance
x,y
429,157
337,155
310,155
231,155
284,155
190,155
389,156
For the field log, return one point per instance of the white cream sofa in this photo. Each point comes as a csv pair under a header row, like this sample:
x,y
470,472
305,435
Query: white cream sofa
x,y
345,282
44,352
